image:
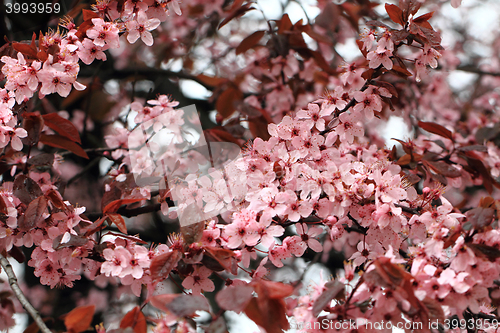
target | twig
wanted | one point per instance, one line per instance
(475, 70)
(84, 171)
(93, 150)
(130, 212)
(20, 296)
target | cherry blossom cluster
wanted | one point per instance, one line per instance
(57, 72)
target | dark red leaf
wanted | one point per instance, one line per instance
(56, 199)
(285, 24)
(135, 319)
(226, 102)
(74, 240)
(237, 13)
(3, 206)
(387, 86)
(26, 189)
(274, 290)
(422, 20)
(315, 35)
(94, 227)
(268, 313)
(485, 251)
(88, 14)
(234, 298)
(402, 71)
(62, 126)
(435, 310)
(395, 13)
(34, 213)
(42, 160)
(211, 80)
(481, 148)
(59, 141)
(226, 258)
(333, 289)
(162, 264)
(82, 29)
(79, 319)
(180, 305)
(33, 124)
(113, 206)
(160, 301)
(192, 233)
(25, 49)
(17, 254)
(480, 217)
(443, 168)
(250, 41)
(476, 166)
(258, 127)
(436, 129)
(118, 220)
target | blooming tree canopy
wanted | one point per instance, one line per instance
(167, 164)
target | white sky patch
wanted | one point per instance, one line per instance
(240, 323)
(349, 50)
(482, 28)
(395, 128)
(460, 80)
(193, 89)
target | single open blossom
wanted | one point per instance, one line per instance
(8, 134)
(103, 33)
(117, 261)
(141, 27)
(349, 128)
(198, 280)
(48, 271)
(364, 254)
(299, 244)
(243, 229)
(312, 114)
(429, 56)
(88, 51)
(368, 103)
(382, 54)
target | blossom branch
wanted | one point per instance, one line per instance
(14, 285)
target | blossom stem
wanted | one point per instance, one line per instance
(178, 286)
(14, 285)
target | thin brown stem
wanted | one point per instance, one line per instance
(475, 70)
(14, 285)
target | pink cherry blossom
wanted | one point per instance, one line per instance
(103, 33)
(117, 261)
(141, 28)
(198, 280)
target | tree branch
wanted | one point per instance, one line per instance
(475, 70)
(14, 285)
(131, 212)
